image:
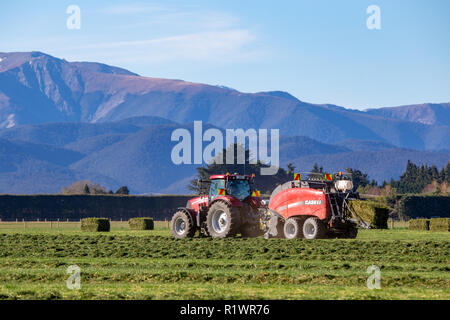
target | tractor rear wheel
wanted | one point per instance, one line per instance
(293, 228)
(313, 228)
(223, 220)
(182, 225)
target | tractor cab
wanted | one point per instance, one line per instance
(237, 186)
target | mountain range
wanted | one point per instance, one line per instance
(64, 121)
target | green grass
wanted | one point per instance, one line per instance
(124, 264)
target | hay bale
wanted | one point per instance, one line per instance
(371, 212)
(141, 224)
(440, 224)
(95, 224)
(419, 224)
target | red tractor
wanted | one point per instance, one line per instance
(230, 207)
(312, 206)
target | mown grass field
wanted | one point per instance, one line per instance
(124, 264)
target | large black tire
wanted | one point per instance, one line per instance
(182, 225)
(251, 231)
(223, 220)
(293, 228)
(313, 228)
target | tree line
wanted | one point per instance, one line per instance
(422, 178)
(416, 178)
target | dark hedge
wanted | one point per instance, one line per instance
(76, 207)
(415, 206)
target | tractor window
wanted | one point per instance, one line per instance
(215, 186)
(239, 188)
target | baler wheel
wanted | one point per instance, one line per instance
(182, 225)
(313, 228)
(293, 228)
(223, 220)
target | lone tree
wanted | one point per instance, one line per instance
(86, 189)
(316, 168)
(123, 190)
(290, 168)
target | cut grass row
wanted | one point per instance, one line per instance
(130, 246)
(200, 291)
(181, 279)
(262, 272)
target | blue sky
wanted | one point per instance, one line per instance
(319, 51)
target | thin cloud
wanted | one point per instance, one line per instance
(182, 20)
(132, 8)
(211, 46)
(176, 36)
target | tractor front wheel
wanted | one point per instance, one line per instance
(313, 228)
(182, 225)
(222, 220)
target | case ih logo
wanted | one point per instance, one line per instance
(313, 202)
(300, 203)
